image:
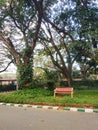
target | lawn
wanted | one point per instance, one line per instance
(82, 98)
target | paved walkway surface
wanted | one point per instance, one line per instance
(23, 118)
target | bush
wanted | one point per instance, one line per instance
(85, 84)
(37, 83)
(8, 87)
(81, 84)
(50, 84)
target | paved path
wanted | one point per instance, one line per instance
(19, 118)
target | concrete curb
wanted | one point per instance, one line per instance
(52, 107)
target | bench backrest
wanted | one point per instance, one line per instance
(64, 89)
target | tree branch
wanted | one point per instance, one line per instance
(6, 66)
(39, 9)
(56, 48)
(57, 28)
(7, 42)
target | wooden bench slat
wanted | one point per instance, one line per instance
(63, 89)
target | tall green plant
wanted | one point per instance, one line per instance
(24, 75)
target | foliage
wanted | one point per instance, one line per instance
(24, 75)
(45, 78)
(39, 83)
(85, 84)
(96, 55)
(85, 18)
(25, 72)
(2, 2)
(9, 87)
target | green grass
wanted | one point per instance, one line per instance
(82, 98)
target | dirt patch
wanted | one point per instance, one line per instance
(67, 105)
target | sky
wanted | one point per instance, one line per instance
(10, 69)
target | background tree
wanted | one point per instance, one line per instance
(58, 38)
(85, 17)
(57, 47)
(71, 25)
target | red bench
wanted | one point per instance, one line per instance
(63, 91)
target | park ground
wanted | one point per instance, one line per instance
(39, 96)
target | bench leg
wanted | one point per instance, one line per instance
(72, 94)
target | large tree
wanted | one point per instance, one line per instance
(20, 23)
(85, 17)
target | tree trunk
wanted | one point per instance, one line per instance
(69, 80)
(68, 74)
(84, 71)
(24, 75)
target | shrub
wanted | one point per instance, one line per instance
(85, 84)
(8, 87)
(50, 84)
